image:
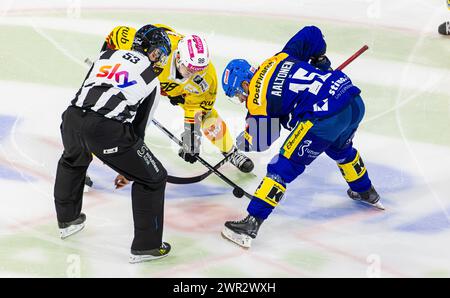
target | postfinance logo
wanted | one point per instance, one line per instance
(110, 72)
(448, 4)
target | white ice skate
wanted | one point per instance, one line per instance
(240, 239)
(67, 229)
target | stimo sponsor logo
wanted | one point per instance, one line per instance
(335, 85)
(110, 72)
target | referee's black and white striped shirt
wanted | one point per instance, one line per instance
(117, 84)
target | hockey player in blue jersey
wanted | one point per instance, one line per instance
(296, 89)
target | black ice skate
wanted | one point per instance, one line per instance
(242, 232)
(241, 161)
(69, 228)
(139, 256)
(370, 197)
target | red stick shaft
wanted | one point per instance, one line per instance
(353, 57)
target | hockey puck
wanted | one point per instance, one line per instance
(444, 28)
(238, 192)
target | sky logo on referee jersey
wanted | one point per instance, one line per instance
(110, 72)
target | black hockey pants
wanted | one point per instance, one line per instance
(85, 132)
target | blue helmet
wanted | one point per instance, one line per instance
(237, 71)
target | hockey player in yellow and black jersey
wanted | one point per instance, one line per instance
(189, 80)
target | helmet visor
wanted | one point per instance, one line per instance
(159, 56)
(238, 96)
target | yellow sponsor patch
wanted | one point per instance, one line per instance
(257, 99)
(270, 191)
(121, 38)
(353, 170)
(248, 137)
(295, 138)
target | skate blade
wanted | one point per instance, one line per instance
(64, 233)
(377, 205)
(244, 241)
(135, 259)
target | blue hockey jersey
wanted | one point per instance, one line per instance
(291, 90)
(306, 43)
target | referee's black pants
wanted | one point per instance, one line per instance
(85, 132)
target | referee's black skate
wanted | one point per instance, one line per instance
(139, 256)
(243, 231)
(241, 161)
(67, 229)
(370, 197)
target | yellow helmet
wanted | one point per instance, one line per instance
(167, 28)
(121, 37)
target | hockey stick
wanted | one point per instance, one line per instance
(184, 180)
(353, 57)
(237, 190)
(195, 179)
